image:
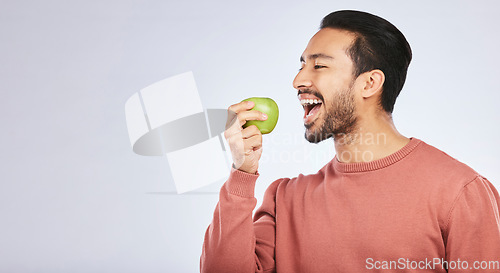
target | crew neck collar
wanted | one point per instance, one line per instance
(376, 164)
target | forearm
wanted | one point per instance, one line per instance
(229, 244)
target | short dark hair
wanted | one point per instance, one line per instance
(378, 45)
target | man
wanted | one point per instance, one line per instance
(384, 203)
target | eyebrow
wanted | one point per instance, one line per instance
(316, 56)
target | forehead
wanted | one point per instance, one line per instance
(331, 42)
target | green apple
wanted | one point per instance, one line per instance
(267, 106)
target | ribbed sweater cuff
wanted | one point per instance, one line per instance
(241, 183)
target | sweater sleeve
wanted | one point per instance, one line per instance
(234, 242)
(473, 231)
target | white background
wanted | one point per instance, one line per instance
(73, 195)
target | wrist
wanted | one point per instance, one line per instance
(249, 171)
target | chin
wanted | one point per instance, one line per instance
(311, 138)
(313, 134)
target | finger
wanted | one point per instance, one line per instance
(234, 126)
(250, 115)
(250, 131)
(252, 144)
(241, 106)
(233, 110)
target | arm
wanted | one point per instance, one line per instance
(233, 242)
(473, 230)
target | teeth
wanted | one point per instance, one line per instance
(309, 101)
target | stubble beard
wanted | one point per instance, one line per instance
(340, 120)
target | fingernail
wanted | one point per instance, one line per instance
(264, 116)
(250, 103)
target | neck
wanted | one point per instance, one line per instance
(372, 139)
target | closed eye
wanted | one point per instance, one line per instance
(315, 67)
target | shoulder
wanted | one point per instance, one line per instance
(441, 168)
(475, 210)
(444, 178)
(289, 187)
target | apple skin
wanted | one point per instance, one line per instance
(267, 106)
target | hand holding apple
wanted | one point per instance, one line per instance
(246, 144)
(267, 106)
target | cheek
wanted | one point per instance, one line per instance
(327, 106)
(328, 83)
(331, 84)
(358, 100)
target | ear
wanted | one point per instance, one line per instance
(373, 82)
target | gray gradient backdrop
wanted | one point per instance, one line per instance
(73, 195)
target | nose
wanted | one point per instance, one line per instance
(302, 80)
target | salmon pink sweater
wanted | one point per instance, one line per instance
(417, 210)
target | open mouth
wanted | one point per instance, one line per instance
(311, 108)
